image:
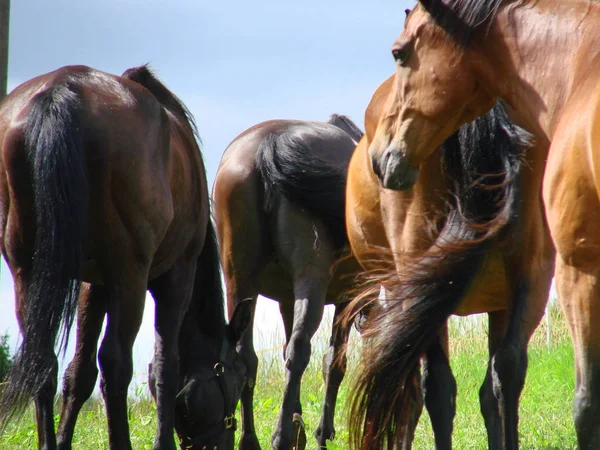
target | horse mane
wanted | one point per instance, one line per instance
(144, 76)
(462, 18)
(288, 168)
(346, 124)
(482, 164)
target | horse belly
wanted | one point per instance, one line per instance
(489, 291)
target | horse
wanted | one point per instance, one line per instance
(279, 197)
(104, 196)
(540, 58)
(461, 242)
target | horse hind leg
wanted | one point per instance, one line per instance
(172, 293)
(81, 374)
(579, 295)
(508, 365)
(309, 290)
(45, 395)
(334, 369)
(439, 390)
(487, 399)
(125, 309)
(44, 407)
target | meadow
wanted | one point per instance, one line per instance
(545, 411)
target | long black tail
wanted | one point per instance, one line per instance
(483, 163)
(288, 167)
(54, 143)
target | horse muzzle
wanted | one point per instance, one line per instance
(393, 170)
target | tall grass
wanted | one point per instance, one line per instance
(545, 412)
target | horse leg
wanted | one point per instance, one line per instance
(334, 369)
(578, 293)
(310, 286)
(44, 397)
(125, 308)
(509, 362)
(172, 293)
(287, 315)
(248, 438)
(487, 400)
(439, 390)
(81, 374)
(44, 407)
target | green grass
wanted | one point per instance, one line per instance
(545, 412)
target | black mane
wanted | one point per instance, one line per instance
(144, 76)
(346, 124)
(462, 18)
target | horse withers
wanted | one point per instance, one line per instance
(102, 184)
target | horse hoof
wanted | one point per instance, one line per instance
(299, 432)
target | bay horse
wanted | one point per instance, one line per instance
(102, 183)
(541, 58)
(462, 242)
(279, 197)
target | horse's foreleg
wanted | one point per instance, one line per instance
(81, 374)
(334, 369)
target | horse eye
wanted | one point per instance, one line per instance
(400, 55)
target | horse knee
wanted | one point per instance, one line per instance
(298, 353)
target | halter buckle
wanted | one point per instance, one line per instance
(230, 422)
(219, 369)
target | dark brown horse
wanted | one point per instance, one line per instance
(467, 237)
(102, 182)
(279, 206)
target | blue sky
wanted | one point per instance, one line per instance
(234, 63)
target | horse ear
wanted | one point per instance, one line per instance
(240, 319)
(407, 12)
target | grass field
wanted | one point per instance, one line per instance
(545, 413)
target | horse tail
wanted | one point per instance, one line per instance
(483, 207)
(289, 168)
(54, 146)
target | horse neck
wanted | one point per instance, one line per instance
(202, 334)
(537, 53)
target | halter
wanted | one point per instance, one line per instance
(227, 423)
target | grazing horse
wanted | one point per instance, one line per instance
(279, 208)
(467, 237)
(541, 58)
(102, 182)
